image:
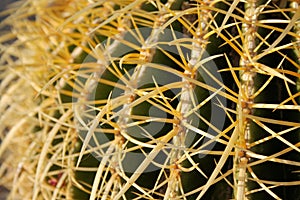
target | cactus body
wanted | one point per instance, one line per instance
(141, 99)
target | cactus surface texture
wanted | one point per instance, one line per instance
(150, 99)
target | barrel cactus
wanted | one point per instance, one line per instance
(150, 99)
